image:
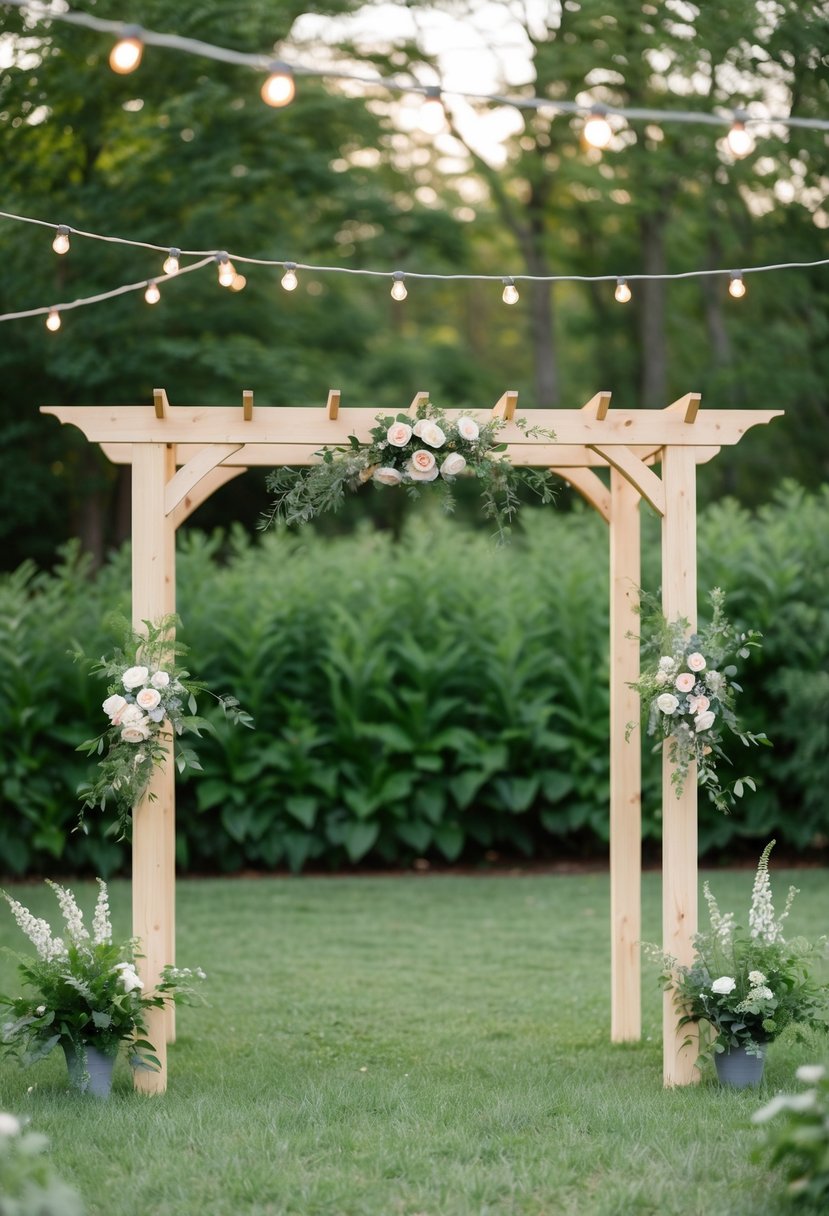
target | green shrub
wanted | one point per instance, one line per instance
(433, 696)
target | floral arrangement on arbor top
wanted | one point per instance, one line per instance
(85, 991)
(690, 695)
(147, 706)
(412, 451)
(746, 986)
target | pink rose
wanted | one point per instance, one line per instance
(698, 705)
(148, 698)
(468, 428)
(684, 681)
(429, 432)
(696, 661)
(386, 475)
(399, 434)
(423, 466)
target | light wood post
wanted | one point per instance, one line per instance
(625, 765)
(679, 815)
(153, 835)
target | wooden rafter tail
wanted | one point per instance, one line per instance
(247, 404)
(418, 400)
(332, 405)
(504, 407)
(160, 402)
(598, 405)
(687, 406)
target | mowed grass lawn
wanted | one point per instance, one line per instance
(416, 1045)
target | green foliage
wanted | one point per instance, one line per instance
(29, 1185)
(438, 696)
(798, 1137)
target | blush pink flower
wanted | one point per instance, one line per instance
(684, 681)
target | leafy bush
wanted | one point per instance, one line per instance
(436, 695)
(797, 1137)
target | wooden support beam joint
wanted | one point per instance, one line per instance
(160, 402)
(247, 404)
(504, 407)
(598, 406)
(418, 400)
(332, 405)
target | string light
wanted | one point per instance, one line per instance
(260, 62)
(53, 320)
(289, 281)
(740, 141)
(736, 286)
(622, 292)
(431, 116)
(61, 242)
(597, 130)
(171, 262)
(280, 88)
(152, 295)
(398, 288)
(125, 56)
(227, 272)
(239, 283)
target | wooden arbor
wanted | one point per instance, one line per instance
(180, 456)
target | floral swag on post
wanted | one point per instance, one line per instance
(689, 695)
(151, 701)
(412, 451)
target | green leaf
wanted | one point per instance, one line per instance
(359, 838)
(449, 839)
(302, 807)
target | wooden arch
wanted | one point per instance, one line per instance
(180, 456)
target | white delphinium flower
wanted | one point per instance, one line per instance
(721, 925)
(811, 1073)
(101, 925)
(75, 928)
(9, 1126)
(761, 920)
(38, 931)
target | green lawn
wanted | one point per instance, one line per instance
(420, 1045)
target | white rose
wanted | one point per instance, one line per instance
(667, 703)
(148, 698)
(132, 716)
(399, 434)
(704, 721)
(134, 677)
(423, 466)
(160, 679)
(113, 707)
(696, 661)
(135, 734)
(9, 1126)
(468, 428)
(724, 985)
(697, 705)
(684, 681)
(128, 977)
(810, 1073)
(452, 465)
(388, 476)
(429, 432)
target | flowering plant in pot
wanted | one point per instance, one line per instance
(84, 992)
(746, 985)
(413, 451)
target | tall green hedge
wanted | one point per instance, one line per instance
(436, 696)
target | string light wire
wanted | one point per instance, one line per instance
(208, 257)
(263, 63)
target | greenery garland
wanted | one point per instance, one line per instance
(413, 451)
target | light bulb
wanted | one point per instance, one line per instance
(53, 320)
(171, 265)
(736, 287)
(739, 140)
(622, 292)
(431, 117)
(279, 89)
(289, 279)
(152, 295)
(226, 269)
(510, 293)
(597, 130)
(398, 288)
(125, 56)
(239, 283)
(61, 242)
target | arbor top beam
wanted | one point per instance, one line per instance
(681, 424)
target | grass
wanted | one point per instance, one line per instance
(412, 1046)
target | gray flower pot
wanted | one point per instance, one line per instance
(735, 1067)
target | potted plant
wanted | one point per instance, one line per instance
(745, 985)
(84, 995)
